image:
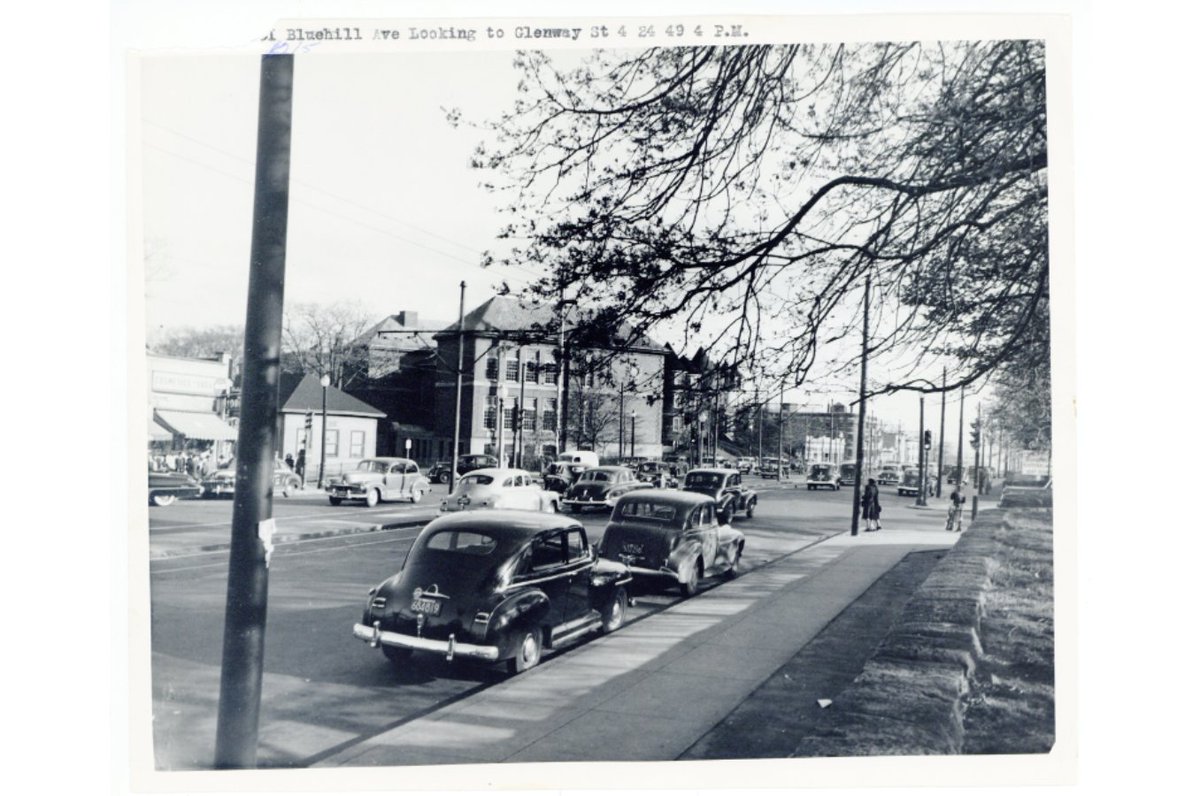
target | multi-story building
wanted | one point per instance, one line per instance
(516, 405)
(189, 400)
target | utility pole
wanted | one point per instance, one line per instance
(519, 431)
(560, 430)
(501, 394)
(250, 537)
(779, 461)
(862, 409)
(942, 436)
(462, 305)
(760, 428)
(978, 446)
(962, 401)
(922, 457)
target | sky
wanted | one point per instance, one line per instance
(384, 207)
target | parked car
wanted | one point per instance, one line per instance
(379, 478)
(469, 462)
(848, 474)
(888, 476)
(910, 484)
(726, 488)
(500, 488)
(656, 474)
(745, 465)
(495, 586)
(769, 468)
(821, 475)
(558, 476)
(166, 488)
(599, 487)
(672, 536)
(221, 482)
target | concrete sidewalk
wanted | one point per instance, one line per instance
(651, 690)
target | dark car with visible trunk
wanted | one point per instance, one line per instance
(599, 487)
(726, 488)
(166, 488)
(495, 585)
(673, 537)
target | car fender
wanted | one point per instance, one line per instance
(682, 556)
(513, 614)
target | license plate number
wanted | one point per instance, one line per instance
(425, 605)
(632, 548)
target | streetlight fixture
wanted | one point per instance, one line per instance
(324, 418)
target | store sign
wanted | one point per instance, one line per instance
(187, 384)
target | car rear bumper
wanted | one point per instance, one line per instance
(587, 504)
(450, 648)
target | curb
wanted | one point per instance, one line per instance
(292, 537)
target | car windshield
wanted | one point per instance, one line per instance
(372, 466)
(465, 542)
(703, 480)
(647, 510)
(594, 475)
(820, 472)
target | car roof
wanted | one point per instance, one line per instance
(388, 459)
(719, 470)
(608, 468)
(498, 472)
(667, 497)
(507, 525)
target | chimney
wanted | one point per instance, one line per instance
(406, 318)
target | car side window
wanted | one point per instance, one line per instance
(547, 551)
(705, 516)
(735, 480)
(508, 482)
(395, 468)
(576, 548)
(411, 467)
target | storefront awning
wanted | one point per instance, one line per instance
(196, 425)
(156, 432)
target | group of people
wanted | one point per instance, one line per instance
(871, 508)
(296, 464)
(197, 464)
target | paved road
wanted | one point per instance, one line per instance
(322, 691)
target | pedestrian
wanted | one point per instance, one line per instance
(870, 505)
(290, 461)
(954, 512)
(300, 466)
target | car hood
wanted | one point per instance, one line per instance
(356, 477)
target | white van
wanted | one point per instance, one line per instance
(586, 458)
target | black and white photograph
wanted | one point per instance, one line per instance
(631, 390)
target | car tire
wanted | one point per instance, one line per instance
(417, 494)
(372, 497)
(162, 500)
(613, 615)
(529, 652)
(397, 656)
(692, 584)
(335, 501)
(750, 509)
(444, 478)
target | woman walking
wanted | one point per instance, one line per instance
(870, 505)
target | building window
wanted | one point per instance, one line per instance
(549, 373)
(512, 370)
(529, 418)
(510, 417)
(531, 372)
(358, 441)
(489, 418)
(493, 369)
(331, 442)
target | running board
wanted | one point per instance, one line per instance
(567, 633)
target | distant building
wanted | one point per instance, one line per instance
(350, 434)
(189, 402)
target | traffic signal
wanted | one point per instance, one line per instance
(975, 433)
(308, 418)
(928, 440)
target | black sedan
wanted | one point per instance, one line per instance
(726, 488)
(495, 585)
(600, 487)
(166, 488)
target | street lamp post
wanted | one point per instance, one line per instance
(632, 433)
(324, 433)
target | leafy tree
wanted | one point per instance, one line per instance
(202, 342)
(742, 195)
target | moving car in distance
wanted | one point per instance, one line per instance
(558, 476)
(379, 478)
(745, 465)
(822, 475)
(600, 487)
(673, 537)
(440, 472)
(656, 474)
(500, 488)
(166, 488)
(848, 474)
(495, 586)
(910, 484)
(770, 467)
(221, 482)
(888, 475)
(725, 487)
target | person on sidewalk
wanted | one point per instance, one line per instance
(954, 512)
(300, 466)
(870, 505)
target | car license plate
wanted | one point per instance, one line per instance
(426, 605)
(632, 548)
